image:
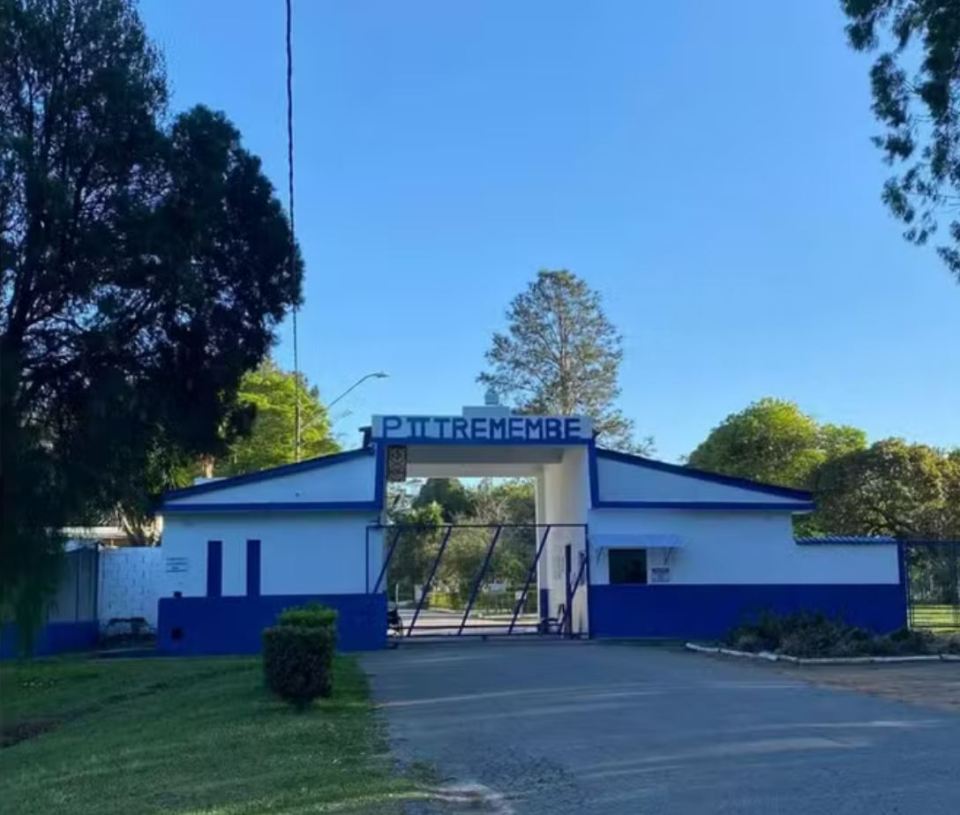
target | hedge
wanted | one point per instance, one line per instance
(310, 615)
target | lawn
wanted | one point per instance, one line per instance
(187, 736)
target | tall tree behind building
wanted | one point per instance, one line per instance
(916, 95)
(272, 394)
(561, 355)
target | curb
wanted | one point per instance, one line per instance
(769, 656)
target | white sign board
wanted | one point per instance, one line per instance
(659, 574)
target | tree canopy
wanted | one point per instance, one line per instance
(561, 355)
(272, 394)
(915, 81)
(774, 442)
(145, 263)
(449, 494)
(891, 488)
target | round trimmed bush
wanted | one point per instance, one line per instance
(298, 662)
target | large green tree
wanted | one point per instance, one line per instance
(455, 500)
(561, 355)
(774, 442)
(916, 96)
(891, 488)
(145, 262)
(272, 394)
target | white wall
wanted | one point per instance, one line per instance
(129, 586)
(622, 481)
(716, 547)
(351, 480)
(564, 498)
(300, 553)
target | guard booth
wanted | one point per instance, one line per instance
(621, 546)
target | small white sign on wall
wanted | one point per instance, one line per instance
(177, 565)
(659, 574)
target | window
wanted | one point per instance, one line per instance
(628, 566)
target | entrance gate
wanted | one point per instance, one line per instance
(932, 577)
(483, 579)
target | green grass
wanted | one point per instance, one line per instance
(189, 736)
(940, 618)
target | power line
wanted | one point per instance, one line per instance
(293, 241)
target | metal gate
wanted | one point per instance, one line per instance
(932, 577)
(482, 579)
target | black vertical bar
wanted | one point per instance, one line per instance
(476, 584)
(386, 562)
(530, 573)
(567, 565)
(426, 586)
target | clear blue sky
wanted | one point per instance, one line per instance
(705, 166)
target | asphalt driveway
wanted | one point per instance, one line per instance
(557, 727)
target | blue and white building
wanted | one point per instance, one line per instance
(668, 551)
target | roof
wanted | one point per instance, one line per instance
(704, 475)
(265, 475)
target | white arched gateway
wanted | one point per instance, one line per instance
(624, 546)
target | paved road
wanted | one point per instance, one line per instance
(591, 728)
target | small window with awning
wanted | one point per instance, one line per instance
(628, 566)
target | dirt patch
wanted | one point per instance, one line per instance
(931, 684)
(11, 734)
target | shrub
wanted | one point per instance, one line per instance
(298, 662)
(298, 654)
(806, 634)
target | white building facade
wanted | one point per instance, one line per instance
(660, 550)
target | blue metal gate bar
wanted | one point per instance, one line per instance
(476, 584)
(386, 562)
(529, 580)
(568, 611)
(426, 586)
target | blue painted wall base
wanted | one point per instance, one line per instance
(233, 625)
(53, 638)
(709, 612)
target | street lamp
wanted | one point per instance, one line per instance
(358, 383)
(300, 428)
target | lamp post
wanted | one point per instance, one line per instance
(357, 384)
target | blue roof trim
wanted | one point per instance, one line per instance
(266, 475)
(846, 540)
(703, 475)
(752, 506)
(274, 506)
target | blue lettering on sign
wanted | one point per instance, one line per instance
(554, 430)
(459, 428)
(516, 427)
(498, 428)
(391, 423)
(533, 428)
(478, 428)
(441, 422)
(418, 427)
(571, 427)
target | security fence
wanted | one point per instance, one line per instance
(933, 584)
